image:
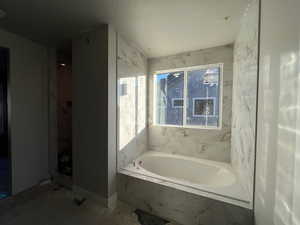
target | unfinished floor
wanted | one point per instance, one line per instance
(50, 205)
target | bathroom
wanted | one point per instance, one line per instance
(138, 112)
(187, 123)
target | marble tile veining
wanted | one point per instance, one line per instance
(234, 195)
(244, 97)
(180, 206)
(132, 70)
(199, 143)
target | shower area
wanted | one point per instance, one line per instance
(187, 127)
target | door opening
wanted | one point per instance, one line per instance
(5, 159)
(64, 105)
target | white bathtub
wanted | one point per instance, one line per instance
(204, 177)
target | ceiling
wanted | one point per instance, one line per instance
(159, 27)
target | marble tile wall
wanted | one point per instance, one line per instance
(244, 97)
(182, 207)
(208, 144)
(131, 72)
(277, 178)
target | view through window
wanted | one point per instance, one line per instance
(189, 97)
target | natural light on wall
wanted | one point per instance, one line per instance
(132, 108)
(141, 107)
(127, 105)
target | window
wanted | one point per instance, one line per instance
(189, 97)
(169, 86)
(203, 107)
(177, 102)
(123, 90)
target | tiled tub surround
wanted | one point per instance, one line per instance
(186, 202)
(199, 143)
(178, 205)
(244, 97)
(131, 71)
(207, 178)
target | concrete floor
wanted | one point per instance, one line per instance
(47, 205)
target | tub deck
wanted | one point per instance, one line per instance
(230, 193)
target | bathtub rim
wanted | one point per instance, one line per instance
(204, 161)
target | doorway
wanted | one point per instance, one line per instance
(5, 159)
(64, 104)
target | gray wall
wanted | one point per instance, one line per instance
(244, 97)
(208, 144)
(29, 110)
(91, 119)
(112, 111)
(277, 193)
(132, 70)
(52, 98)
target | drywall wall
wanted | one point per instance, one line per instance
(28, 84)
(112, 116)
(277, 193)
(94, 116)
(52, 101)
(245, 77)
(200, 143)
(132, 70)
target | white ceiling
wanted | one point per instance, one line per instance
(159, 27)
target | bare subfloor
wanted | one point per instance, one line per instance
(47, 205)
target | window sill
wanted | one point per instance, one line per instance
(188, 127)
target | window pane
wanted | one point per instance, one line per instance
(177, 102)
(203, 107)
(169, 98)
(203, 97)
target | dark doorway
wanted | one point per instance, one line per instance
(5, 177)
(64, 90)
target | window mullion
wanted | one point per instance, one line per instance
(184, 98)
(136, 87)
(154, 101)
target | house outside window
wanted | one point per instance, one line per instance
(189, 97)
(203, 107)
(177, 102)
